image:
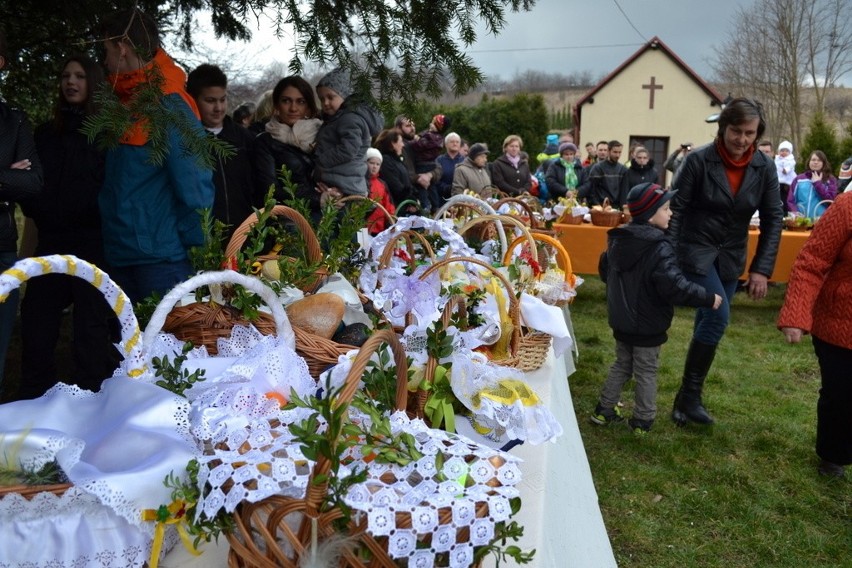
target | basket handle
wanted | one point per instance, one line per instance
(514, 305)
(562, 254)
(476, 204)
(499, 220)
(388, 215)
(267, 294)
(480, 204)
(316, 491)
(826, 202)
(24, 269)
(524, 205)
(312, 245)
(387, 253)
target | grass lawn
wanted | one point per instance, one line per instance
(741, 493)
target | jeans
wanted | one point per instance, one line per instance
(8, 313)
(710, 324)
(640, 363)
(142, 280)
(834, 420)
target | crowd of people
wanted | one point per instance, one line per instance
(138, 217)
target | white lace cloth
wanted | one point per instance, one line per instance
(116, 446)
(242, 431)
(249, 367)
(371, 279)
(503, 404)
(250, 463)
(473, 481)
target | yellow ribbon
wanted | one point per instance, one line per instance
(172, 514)
(507, 392)
(500, 350)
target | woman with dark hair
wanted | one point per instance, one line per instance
(720, 186)
(289, 140)
(811, 187)
(394, 173)
(68, 220)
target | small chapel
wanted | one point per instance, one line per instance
(653, 98)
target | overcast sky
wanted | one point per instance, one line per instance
(594, 35)
(567, 36)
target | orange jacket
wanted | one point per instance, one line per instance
(819, 294)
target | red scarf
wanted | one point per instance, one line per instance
(734, 169)
(126, 84)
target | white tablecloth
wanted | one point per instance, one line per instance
(560, 512)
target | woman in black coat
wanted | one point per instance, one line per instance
(68, 221)
(288, 141)
(720, 186)
(510, 172)
(394, 173)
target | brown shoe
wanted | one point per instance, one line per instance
(829, 469)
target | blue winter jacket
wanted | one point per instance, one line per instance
(150, 213)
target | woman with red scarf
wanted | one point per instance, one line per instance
(720, 186)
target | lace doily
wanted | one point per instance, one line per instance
(501, 400)
(238, 381)
(252, 463)
(409, 504)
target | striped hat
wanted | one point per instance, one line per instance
(644, 200)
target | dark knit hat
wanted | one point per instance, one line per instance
(339, 81)
(644, 200)
(442, 122)
(567, 146)
(477, 150)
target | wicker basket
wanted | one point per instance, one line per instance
(611, 218)
(463, 205)
(203, 323)
(500, 221)
(528, 216)
(130, 345)
(791, 225)
(513, 360)
(562, 257)
(312, 247)
(278, 531)
(568, 219)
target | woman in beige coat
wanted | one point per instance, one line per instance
(473, 173)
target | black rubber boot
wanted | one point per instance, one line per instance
(687, 404)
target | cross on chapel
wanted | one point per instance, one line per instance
(652, 86)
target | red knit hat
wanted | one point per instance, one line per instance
(441, 122)
(644, 200)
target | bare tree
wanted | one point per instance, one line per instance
(777, 50)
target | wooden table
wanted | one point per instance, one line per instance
(586, 242)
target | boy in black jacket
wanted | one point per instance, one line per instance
(644, 283)
(236, 193)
